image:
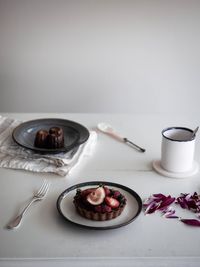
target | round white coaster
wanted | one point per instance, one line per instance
(158, 168)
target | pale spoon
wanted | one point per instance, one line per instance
(106, 128)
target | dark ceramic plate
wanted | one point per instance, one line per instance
(67, 209)
(74, 134)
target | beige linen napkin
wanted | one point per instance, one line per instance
(16, 157)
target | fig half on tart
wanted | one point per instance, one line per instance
(100, 203)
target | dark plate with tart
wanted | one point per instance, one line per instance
(117, 208)
(50, 135)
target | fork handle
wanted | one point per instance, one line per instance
(16, 222)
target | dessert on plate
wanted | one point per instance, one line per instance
(54, 138)
(100, 203)
(41, 138)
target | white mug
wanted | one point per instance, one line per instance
(177, 150)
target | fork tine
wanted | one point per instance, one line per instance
(44, 190)
(42, 187)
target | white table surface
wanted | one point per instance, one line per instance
(45, 239)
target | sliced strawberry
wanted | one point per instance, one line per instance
(112, 202)
(97, 196)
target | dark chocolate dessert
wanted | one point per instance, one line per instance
(41, 138)
(52, 139)
(55, 138)
(56, 130)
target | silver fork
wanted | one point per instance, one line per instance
(37, 196)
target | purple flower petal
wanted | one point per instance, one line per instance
(192, 222)
(182, 202)
(162, 203)
(168, 201)
(159, 195)
(189, 201)
(170, 213)
(148, 201)
(172, 217)
(152, 208)
(165, 210)
(158, 202)
(187, 197)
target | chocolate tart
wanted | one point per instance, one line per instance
(103, 211)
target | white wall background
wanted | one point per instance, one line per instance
(99, 56)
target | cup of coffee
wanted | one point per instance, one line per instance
(177, 149)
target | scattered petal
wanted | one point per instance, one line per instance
(170, 213)
(182, 202)
(152, 208)
(148, 201)
(172, 217)
(162, 203)
(189, 201)
(167, 201)
(192, 222)
(159, 196)
(157, 202)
